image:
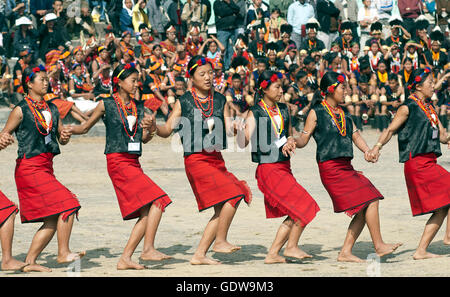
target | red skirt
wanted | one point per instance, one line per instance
(151, 102)
(428, 184)
(40, 194)
(349, 190)
(133, 188)
(283, 195)
(7, 208)
(211, 183)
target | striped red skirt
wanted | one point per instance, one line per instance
(349, 190)
(133, 188)
(40, 194)
(211, 182)
(428, 184)
(283, 195)
(151, 102)
(7, 208)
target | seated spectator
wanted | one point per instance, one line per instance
(38, 9)
(50, 38)
(25, 35)
(83, 23)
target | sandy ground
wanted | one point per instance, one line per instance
(102, 233)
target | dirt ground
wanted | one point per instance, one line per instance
(102, 233)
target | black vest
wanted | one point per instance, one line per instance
(31, 143)
(415, 136)
(264, 149)
(330, 143)
(116, 138)
(194, 132)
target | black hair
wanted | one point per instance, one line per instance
(179, 78)
(364, 79)
(26, 73)
(393, 76)
(327, 80)
(236, 76)
(301, 74)
(293, 67)
(123, 75)
(308, 60)
(262, 60)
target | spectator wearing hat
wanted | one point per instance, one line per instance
(50, 37)
(399, 34)
(349, 12)
(25, 35)
(311, 44)
(327, 15)
(299, 12)
(39, 8)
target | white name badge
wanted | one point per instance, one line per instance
(48, 139)
(134, 146)
(280, 142)
(435, 134)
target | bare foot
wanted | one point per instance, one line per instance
(13, 265)
(154, 255)
(424, 255)
(203, 260)
(68, 258)
(386, 249)
(296, 253)
(36, 267)
(274, 259)
(348, 257)
(225, 247)
(125, 264)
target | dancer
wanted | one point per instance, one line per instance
(42, 198)
(212, 184)
(419, 133)
(274, 142)
(127, 127)
(351, 192)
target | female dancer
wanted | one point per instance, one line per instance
(8, 211)
(351, 192)
(42, 198)
(212, 184)
(419, 133)
(282, 194)
(127, 127)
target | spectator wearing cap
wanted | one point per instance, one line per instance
(349, 12)
(126, 16)
(50, 37)
(327, 15)
(25, 35)
(299, 12)
(409, 11)
(311, 44)
(39, 8)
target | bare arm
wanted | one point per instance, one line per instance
(310, 125)
(173, 120)
(99, 111)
